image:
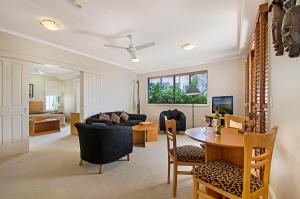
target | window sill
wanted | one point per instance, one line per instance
(183, 105)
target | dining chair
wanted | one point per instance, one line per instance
(234, 121)
(187, 155)
(233, 181)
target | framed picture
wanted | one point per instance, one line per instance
(30, 90)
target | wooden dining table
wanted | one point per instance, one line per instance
(227, 146)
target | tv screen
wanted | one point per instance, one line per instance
(223, 103)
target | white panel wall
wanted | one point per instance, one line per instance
(14, 106)
(17, 84)
(92, 90)
(16, 125)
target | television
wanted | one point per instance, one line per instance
(223, 103)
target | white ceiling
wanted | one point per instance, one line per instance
(219, 29)
(53, 71)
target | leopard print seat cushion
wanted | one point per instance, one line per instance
(189, 153)
(227, 176)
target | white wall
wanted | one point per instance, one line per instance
(39, 82)
(117, 82)
(69, 97)
(285, 112)
(224, 78)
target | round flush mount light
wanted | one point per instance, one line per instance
(135, 60)
(50, 24)
(187, 46)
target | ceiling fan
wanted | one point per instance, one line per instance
(132, 49)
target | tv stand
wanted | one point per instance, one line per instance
(210, 117)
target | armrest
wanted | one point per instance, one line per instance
(142, 117)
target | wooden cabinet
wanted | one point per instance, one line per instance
(74, 118)
(144, 133)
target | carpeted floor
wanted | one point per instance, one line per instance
(50, 170)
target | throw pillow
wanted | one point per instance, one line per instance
(115, 118)
(124, 116)
(104, 117)
(175, 114)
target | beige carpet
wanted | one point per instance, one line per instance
(50, 170)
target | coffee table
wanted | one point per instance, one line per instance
(41, 126)
(144, 133)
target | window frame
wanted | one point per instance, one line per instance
(174, 87)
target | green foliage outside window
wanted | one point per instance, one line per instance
(162, 90)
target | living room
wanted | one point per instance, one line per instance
(142, 74)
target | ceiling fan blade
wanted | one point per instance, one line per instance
(140, 47)
(113, 46)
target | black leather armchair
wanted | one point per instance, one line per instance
(175, 114)
(101, 144)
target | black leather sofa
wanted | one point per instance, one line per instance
(134, 119)
(102, 144)
(175, 114)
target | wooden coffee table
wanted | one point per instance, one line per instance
(144, 133)
(40, 126)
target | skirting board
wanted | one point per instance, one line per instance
(271, 193)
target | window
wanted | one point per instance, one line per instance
(52, 103)
(172, 89)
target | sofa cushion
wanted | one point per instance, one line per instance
(115, 118)
(226, 176)
(124, 116)
(104, 117)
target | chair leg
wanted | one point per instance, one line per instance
(81, 163)
(129, 157)
(174, 180)
(169, 165)
(101, 168)
(195, 188)
(265, 196)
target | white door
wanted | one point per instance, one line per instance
(91, 94)
(13, 107)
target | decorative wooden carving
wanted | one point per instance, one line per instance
(286, 27)
(291, 31)
(277, 17)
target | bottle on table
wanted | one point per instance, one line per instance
(217, 122)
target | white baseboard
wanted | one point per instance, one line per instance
(271, 193)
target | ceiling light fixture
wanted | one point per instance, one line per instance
(135, 60)
(40, 72)
(187, 46)
(50, 24)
